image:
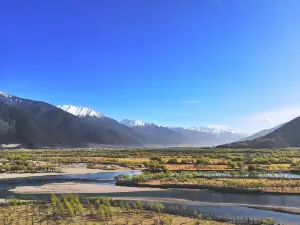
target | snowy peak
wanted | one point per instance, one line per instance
(217, 129)
(137, 123)
(3, 94)
(9, 99)
(6, 97)
(80, 111)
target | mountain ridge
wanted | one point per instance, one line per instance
(68, 125)
(261, 133)
(80, 111)
(286, 135)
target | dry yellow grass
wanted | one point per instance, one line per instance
(265, 185)
(192, 167)
(276, 167)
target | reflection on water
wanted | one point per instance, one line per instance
(243, 212)
(214, 196)
(105, 178)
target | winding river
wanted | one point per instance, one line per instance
(212, 201)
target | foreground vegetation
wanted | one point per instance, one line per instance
(73, 209)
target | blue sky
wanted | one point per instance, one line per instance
(185, 63)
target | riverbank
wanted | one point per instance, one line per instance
(71, 187)
(289, 210)
(67, 170)
(192, 181)
(201, 186)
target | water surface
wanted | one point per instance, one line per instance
(107, 178)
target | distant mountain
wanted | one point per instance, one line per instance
(98, 120)
(261, 133)
(73, 129)
(216, 130)
(138, 123)
(209, 136)
(287, 135)
(155, 134)
(35, 123)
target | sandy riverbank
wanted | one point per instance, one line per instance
(71, 187)
(65, 171)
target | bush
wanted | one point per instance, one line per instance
(123, 177)
(156, 158)
(172, 161)
(269, 221)
(202, 160)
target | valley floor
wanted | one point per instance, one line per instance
(64, 171)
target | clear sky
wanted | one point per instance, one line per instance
(186, 63)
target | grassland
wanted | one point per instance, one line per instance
(155, 159)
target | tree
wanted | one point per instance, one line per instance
(169, 220)
(159, 208)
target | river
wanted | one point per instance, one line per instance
(208, 196)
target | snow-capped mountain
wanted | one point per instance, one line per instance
(137, 123)
(217, 129)
(40, 123)
(80, 111)
(210, 135)
(204, 136)
(9, 99)
(3, 94)
(98, 120)
(68, 124)
(156, 134)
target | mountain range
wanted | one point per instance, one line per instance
(23, 116)
(282, 136)
(208, 136)
(33, 124)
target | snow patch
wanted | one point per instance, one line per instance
(5, 94)
(138, 123)
(80, 111)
